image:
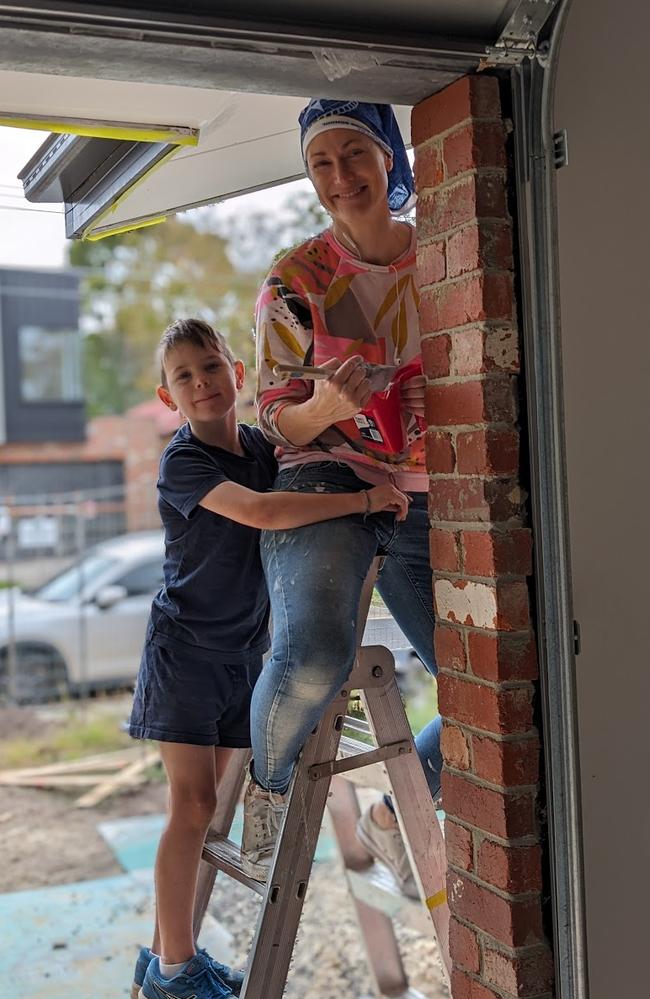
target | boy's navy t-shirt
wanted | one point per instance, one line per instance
(214, 596)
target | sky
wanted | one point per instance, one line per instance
(34, 235)
(30, 235)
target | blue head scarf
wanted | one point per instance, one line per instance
(374, 120)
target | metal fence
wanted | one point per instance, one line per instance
(70, 638)
(51, 536)
(44, 529)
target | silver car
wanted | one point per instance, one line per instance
(84, 629)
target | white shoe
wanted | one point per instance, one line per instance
(263, 812)
(387, 846)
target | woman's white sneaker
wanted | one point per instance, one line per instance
(387, 846)
(263, 812)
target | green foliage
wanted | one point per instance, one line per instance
(257, 239)
(135, 283)
(77, 734)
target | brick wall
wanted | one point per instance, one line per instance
(481, 548)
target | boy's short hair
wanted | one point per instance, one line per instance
(194, 331)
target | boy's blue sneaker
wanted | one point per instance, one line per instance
(199, 980)
(229, 976)
(233, 979)
(145, 958)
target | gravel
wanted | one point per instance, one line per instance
(329, 960)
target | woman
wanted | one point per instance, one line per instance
(347, 300)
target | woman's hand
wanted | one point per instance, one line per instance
(339, 397)
(388, 498)
(412, 395)
(344, 393)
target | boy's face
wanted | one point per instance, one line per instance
(201, 382)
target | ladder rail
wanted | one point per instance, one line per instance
(228, 794)
(377, 932)
(278, 922)
(415, 810)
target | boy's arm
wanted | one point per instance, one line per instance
(284, 510)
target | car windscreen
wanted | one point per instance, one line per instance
(78, 577)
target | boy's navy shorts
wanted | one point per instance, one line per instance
(194, 696)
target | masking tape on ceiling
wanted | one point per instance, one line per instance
(176, 134)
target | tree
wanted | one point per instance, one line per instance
(256, 239)
(134, 284)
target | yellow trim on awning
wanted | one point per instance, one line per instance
(91, 232)
(92, 237)
(179, 135)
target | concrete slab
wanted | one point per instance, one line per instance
(80, 941)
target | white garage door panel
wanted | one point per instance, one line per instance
(604, 221)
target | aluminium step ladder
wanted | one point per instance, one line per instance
(326, 759)
(378, 901)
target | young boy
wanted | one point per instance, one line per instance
(208, 628)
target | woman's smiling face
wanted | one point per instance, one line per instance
(349, 172)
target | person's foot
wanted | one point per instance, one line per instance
(145, 957)
(229, 976)
(198, 980)
(263, 811)
(386, 846)
(233, 979)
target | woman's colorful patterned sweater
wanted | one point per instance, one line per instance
(318, 302)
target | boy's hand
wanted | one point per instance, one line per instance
(388, 498)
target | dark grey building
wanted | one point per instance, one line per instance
(41, 396)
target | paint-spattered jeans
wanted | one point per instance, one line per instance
(315, 575)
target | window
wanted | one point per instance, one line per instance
(50, 364)
(78, 577)
(145, 579)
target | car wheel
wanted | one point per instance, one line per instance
(41, 675)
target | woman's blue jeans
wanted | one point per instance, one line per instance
(315, 575)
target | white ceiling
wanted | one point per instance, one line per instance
(85, 97)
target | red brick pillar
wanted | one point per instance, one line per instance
(480, 546)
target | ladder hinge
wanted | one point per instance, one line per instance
(560, 149)
(576, 638)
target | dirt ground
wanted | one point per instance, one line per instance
(45, 841)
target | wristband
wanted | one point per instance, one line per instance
(368, 509)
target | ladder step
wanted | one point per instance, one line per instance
(222, 853)
(374, 775)
(377, 887)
